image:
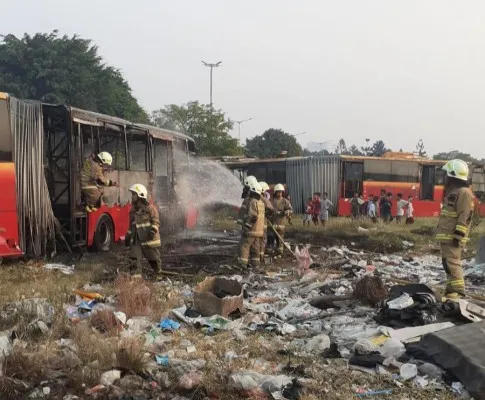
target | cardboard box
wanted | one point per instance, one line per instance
(208, 303)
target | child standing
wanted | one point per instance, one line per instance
(308, 212)
(372, 209)
(400, 208)
(410, 211)
(325, 205)
(316, 208)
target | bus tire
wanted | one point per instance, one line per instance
(104, 234)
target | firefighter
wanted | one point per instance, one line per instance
(143, 236)
(454, 224)
(268, 211)
(92, 178)
(282, 208)
(245, 196)
(253, 228)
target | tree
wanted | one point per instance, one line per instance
(271, 143)
(208, 127)
(420, 151)
(456, 154)
(378, 149)
(354, 151)
(341, 147)
(367, 148)
(65, 70)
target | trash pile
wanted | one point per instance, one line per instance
(335, 312)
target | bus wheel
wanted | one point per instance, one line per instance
(104, 235)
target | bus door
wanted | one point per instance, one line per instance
(428, 173)
(9, 234)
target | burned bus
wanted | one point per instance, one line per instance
(42, 151)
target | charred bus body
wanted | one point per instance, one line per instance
(42, 151)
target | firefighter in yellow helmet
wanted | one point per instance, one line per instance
(92, 179)
(143, 236)
(454, 224)
(253, 228)
(245, 196)
(268, 211)
(282, 208)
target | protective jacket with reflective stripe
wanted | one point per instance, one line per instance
(145, 225)
(456, 215)
(92, 175)
(254, 219)
(281, 208)
(243, 211)
(268, 210)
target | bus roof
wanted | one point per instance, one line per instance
(95, 118)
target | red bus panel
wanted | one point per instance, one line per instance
(9, 234)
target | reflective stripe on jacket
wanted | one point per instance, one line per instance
(254, 219)
(92, 175)
(456, 215)
(145, 225)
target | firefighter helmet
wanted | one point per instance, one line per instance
(105, 157)
(250, 180)
(264, 187)
(457, 169)
(140, 190)
(255, 187)
(279, 188)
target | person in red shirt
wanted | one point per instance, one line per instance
(308, 212)
(316, 209)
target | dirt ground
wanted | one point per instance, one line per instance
(38, 360)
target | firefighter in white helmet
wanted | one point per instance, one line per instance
(268, 211)
(282, 209)
(253, 228)
(454, 224)
(143, 236)
(92, 179)
(245, 196)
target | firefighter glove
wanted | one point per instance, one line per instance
(153, 231)
(456, 243)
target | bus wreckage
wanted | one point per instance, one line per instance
(42, 151)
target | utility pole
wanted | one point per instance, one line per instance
(211, 66)
(239, 126)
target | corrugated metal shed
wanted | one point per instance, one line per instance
(307, 175)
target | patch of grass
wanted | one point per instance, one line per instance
(130, 356)
(135, 296)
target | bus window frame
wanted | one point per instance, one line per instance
(5, 132)
(135, 131)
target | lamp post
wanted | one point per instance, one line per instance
(211, 66)
(239, 126)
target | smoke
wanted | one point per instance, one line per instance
(207, 184)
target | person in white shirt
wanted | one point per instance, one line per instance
(400, 208)
(371, 209)
(410, 211)
(325, 204)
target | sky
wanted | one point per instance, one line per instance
(396, 70)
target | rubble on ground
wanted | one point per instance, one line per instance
(298, 330)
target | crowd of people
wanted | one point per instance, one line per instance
(375, 208)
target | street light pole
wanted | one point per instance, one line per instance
(211, 66)
(239, 126)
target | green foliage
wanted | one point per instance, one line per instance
(272, 143)
(208, 127)
(457, 154)
(65, 70)
(379, 148)
(420, 151)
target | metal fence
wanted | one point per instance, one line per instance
(307, 175)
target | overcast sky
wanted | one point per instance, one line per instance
(383, 69)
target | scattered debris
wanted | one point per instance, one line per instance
(218, 296)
